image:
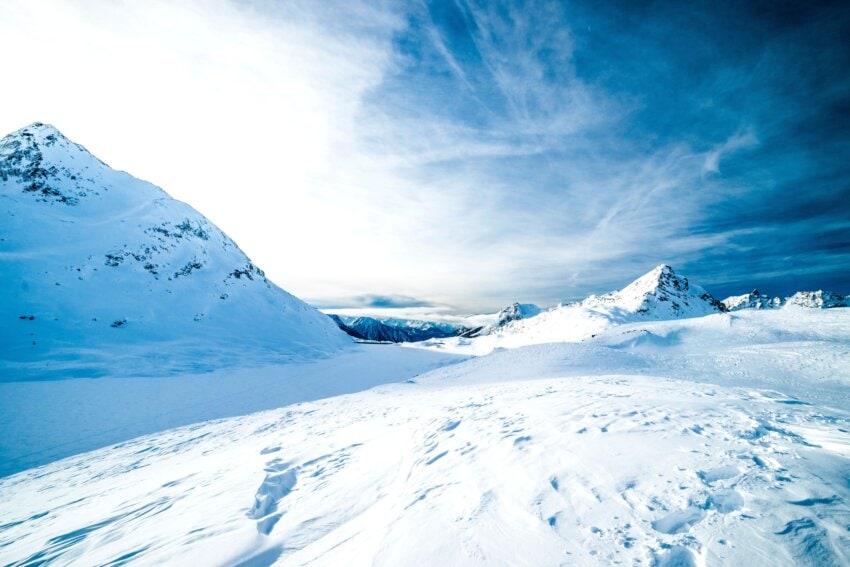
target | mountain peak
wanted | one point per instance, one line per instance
(659, 278)
(660, 293)
(38, 133)
(517, 311)
(41, 128)
(40, 161)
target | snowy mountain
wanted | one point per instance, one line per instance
(811, 299)
(753, 300)
(516, 312)
(369, 329)
(481, 325)
(107, 274)
(395, 330)
(818, 299)
(659, 294)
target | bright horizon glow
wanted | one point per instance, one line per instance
(459, 156)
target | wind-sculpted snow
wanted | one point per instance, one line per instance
(106, 274)
(722, 440)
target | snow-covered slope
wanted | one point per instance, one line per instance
(106, 274)
(720, 440)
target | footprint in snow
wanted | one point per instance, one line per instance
(680, 521)
(677, 556)
(723, 473)
(725, 501)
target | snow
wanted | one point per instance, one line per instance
(43, 421)
(107, 273)
(721, 439)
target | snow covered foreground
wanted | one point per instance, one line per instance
(716, 440)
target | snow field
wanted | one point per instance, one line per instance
(690, 442)
(593, 470)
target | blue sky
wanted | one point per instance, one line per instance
(712, 136)
(469, 154)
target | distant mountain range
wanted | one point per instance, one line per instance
(394, 330)
(659, 294)
(812, 299)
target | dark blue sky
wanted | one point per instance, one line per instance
(714, 136)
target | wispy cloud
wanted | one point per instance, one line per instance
(738, 141)
(371, 301)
